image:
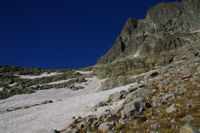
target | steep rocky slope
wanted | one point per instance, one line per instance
(165, 45)
(166, 100)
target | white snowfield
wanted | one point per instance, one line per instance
(57, 115)
(85, 72)
(11, 85)
(39, 76)
(195, 31)
(59, 82)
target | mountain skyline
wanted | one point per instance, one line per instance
(63, 34)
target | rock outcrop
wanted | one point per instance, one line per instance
(167, 26)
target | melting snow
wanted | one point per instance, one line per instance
(85, 72)
(11, 85)
(59, 82)
(38, 76)
(195, 31)
(56, 115)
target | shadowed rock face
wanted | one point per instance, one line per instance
(161, 30)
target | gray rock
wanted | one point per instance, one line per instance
(171, 108)
(101, 104)
(90, 120)
(188, 129)
(74, 130)
(155, 126)
(111, 131)
(123, 93)
(134, 87)
(115, 97)
(133, 108)
(181, 90)
(163, 83)
(198, 69)
(169, 96)
(118, 108)
(81, 79)
(187, 118)
(151, 74)
(135, 94)
(154, 132)
(124, 121)
(195, 78)
(104, 126)
(81, 125)
(157, 101)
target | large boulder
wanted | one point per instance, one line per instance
(115, 97)
(136, 94)
(134, 108)
(188, 129)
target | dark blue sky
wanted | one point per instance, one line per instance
(62, 33)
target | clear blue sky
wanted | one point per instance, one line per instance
(63, 33)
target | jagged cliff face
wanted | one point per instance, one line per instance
(165, 28)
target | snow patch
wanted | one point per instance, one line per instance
(39, 76)
(137, 54)
(56, 115)
(11, 85)
(59, 82)
(195, 31)
(1, 88)
(85, 72)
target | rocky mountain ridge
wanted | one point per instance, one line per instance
(167, 26)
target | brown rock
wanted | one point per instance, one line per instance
(119, 126)
(141, 119)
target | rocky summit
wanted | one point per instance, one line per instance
(154, 41)
(148, 82)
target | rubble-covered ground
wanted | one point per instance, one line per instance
(166, 100)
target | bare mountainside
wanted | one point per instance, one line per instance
(149, 81)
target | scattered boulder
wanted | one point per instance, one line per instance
(171, 108)
(155, 126)
(119, 126)
(74, 130)
(188, 129)
(101, 104)
(187, 118)
(135, 94)
(81, 79)
(141, 119)
(153, 74)
(124, 121)
(168, 96)
(104, 126)
(123, 93)
(134, 108)
(134, 87)
(115, 97)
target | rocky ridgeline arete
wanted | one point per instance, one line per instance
(158, 57)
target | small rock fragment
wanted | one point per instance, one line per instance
(171, 108)
(187, 118)
(155, 126)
